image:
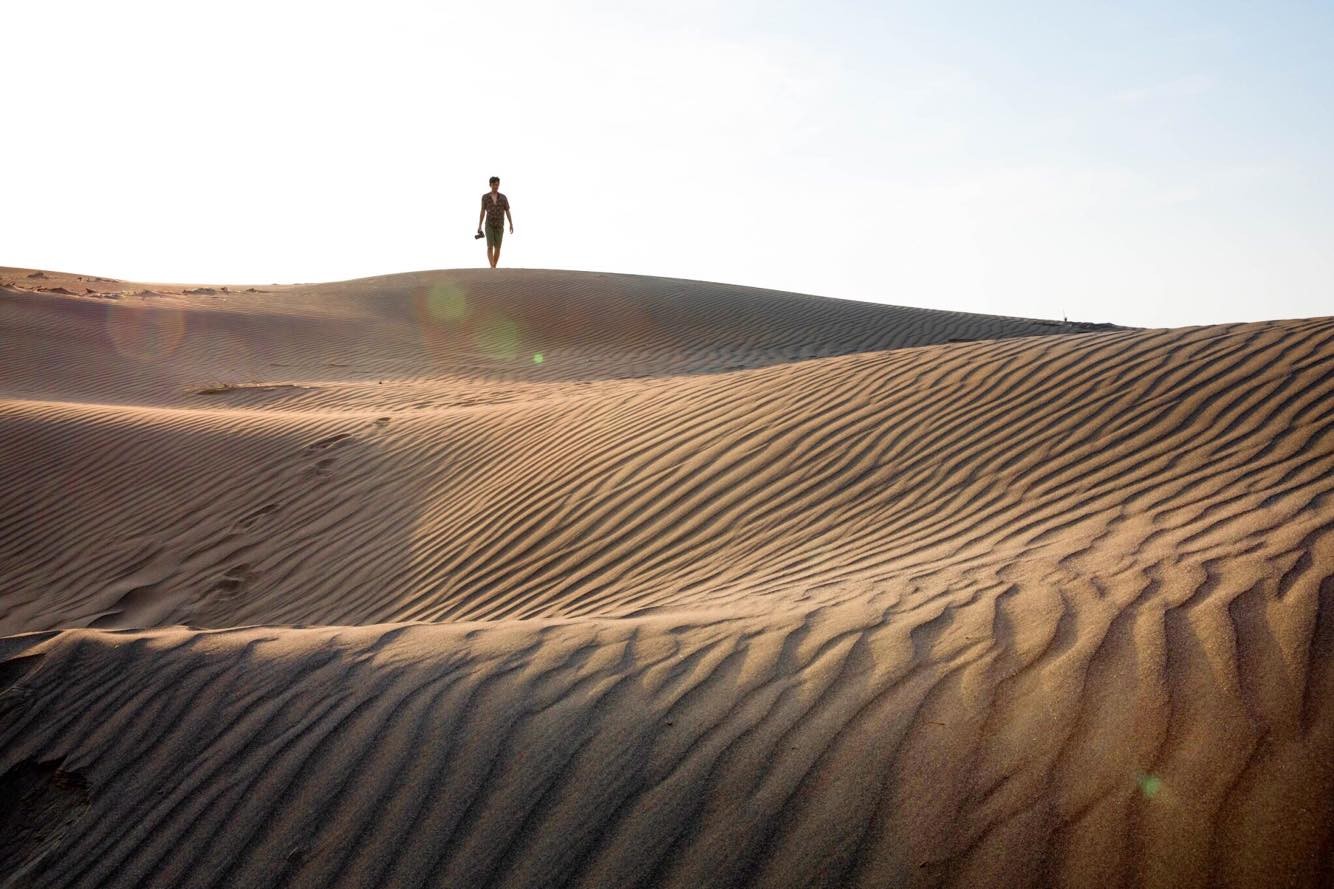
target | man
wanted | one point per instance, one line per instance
(495, 209)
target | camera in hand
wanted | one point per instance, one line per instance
(478, 235)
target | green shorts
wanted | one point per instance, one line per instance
(494, 234)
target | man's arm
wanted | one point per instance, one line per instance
(481, 215)
(509, 217)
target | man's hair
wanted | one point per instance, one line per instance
(493, 179)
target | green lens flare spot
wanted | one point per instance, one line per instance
(447, 303)
(1149, 785)
(537, 358)
(498, 338)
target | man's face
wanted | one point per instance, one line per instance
(495, 186)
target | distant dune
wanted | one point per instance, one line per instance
(556, 579)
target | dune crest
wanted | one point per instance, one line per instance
(566, 579)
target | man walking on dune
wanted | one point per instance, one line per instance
(495, 207)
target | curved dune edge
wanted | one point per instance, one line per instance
(743, 589)
(388, 341)
(1071, 460)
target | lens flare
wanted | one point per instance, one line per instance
(457, 328)
(447, 304)
(145, 333)
(498, 338)
(445, 318)
(1149, 785)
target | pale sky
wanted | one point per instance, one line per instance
(1144, 163)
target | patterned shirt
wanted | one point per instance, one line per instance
(495, 210)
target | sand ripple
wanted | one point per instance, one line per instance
(731, 588)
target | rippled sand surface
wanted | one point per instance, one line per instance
(532, 578)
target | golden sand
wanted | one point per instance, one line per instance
(531, 578)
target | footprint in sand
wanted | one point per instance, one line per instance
(322, 468)
(216, 607)
(249, 520)
(331, 441)
(46, 800)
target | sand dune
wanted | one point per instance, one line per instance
(565, 579)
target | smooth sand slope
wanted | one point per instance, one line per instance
(525, 578)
